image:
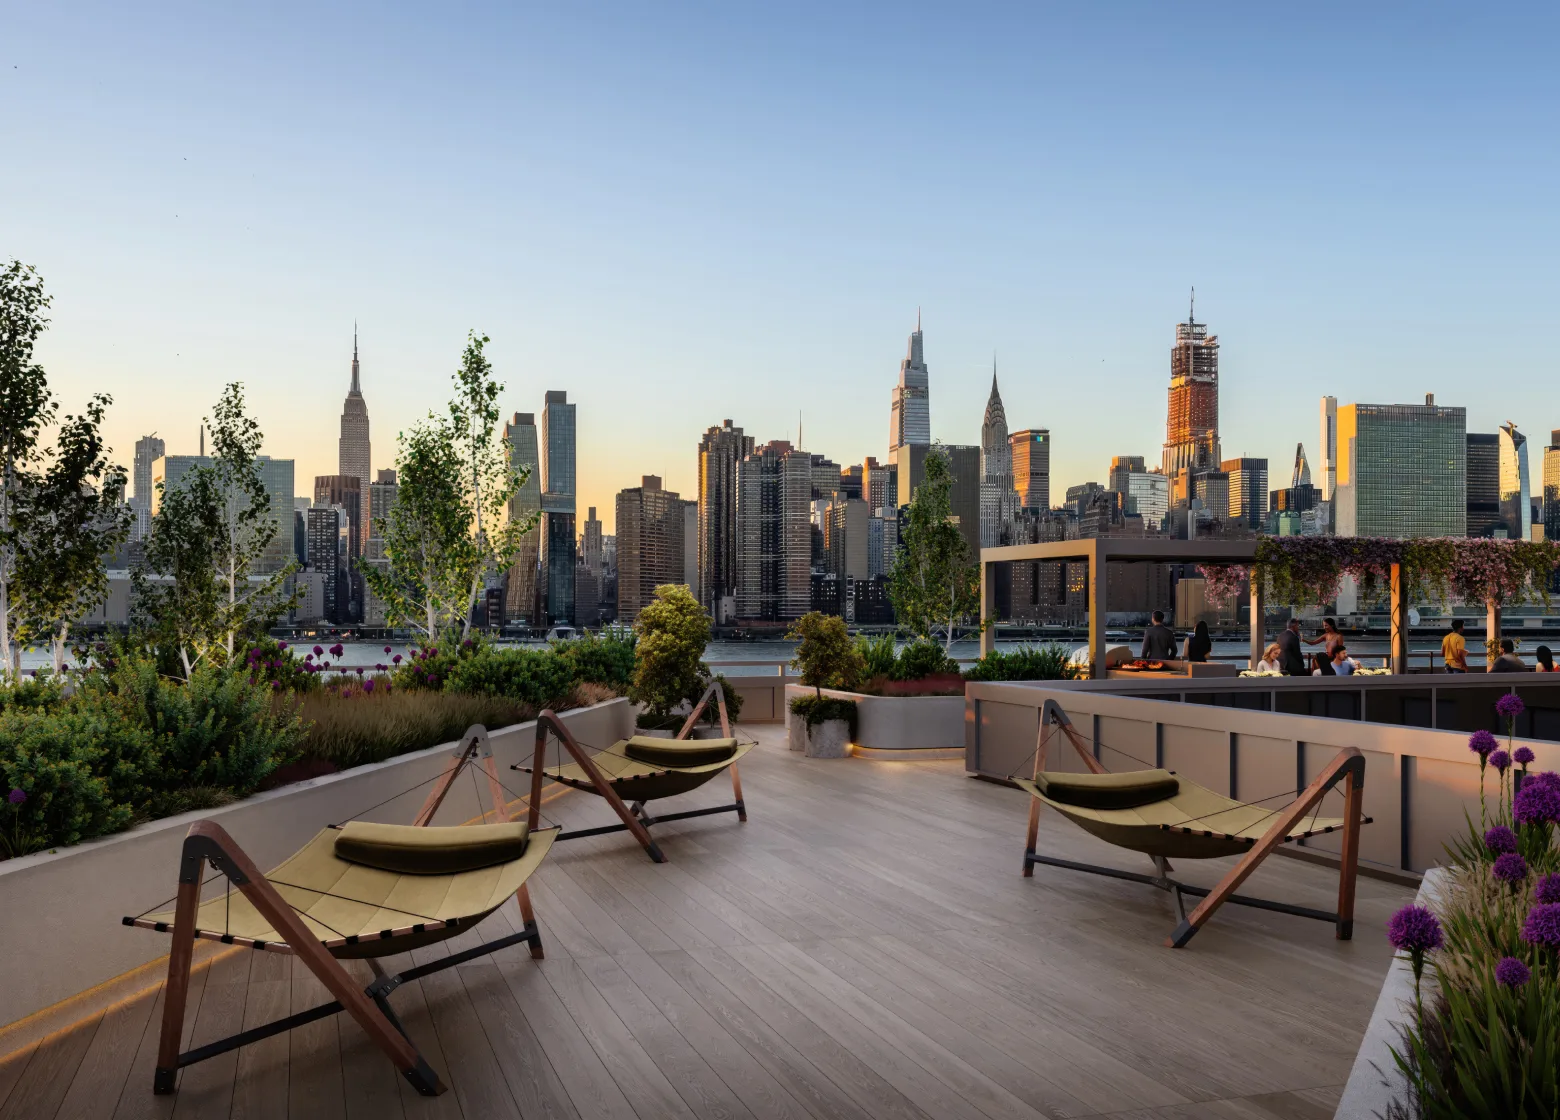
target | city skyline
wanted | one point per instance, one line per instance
(204, 215)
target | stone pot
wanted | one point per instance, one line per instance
(796, 732)
(829, 739)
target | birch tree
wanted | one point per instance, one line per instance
(447, 528)
(26, 409)
(934, 585)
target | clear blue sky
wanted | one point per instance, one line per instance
(685, 213)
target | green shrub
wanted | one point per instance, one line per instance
(733, 700)
(36, 693)
(528, 676)
(605, 659)
(1049, 662)
(216, 730)
(920, 659)
(824, 653)
(272, 663)
(668, 657)
(429, 668)
(61, 762)
(820, 709)
(878, 655)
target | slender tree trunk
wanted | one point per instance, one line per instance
(59, 647)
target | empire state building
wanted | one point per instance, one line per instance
(354, 446)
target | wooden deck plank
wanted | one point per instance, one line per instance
(370, 1085)
(206, 1088)
(264, 1067)
(47, 1078)
(473, 1075)
(534, 1084)
(315, 1089)
(136, 1100)
(105, 1068)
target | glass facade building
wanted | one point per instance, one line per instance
(1402, 470)
(558, 544)
(1516, 490)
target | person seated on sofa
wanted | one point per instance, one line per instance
(1508, 661)
(1343, 665)
(1322, 666)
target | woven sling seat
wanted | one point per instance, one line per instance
(646, 769)
(1165, 816)
(1192, 823)
(357, 891)
(357, 911)
(634, 771)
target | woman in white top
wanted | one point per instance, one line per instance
(1269, 662)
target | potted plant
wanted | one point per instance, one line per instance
(824, 726)
(669, 669)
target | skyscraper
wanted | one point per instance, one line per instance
(1248, 491)
(1402, 470)
(1329, 448)
(1516, 491)
(721, 449)
(1192, 425)
(1483, 503)
(910, 415)
(558, 493)
(1301, 474)
(877, 488)
(590, 542)
(1032, 467)
(354, 450)
(1122, 468)
(964, 494)
(650, 534)
(344, 492)
(147, 449)
(1552, 487)
(998, 496)
(520, 599)
(774, 534)
(276, 475)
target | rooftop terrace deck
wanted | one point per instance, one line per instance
(864, 946)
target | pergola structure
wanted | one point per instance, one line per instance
(1100, 551)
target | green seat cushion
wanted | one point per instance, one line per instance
(679, 752)
(1109, 791)
(408, 850)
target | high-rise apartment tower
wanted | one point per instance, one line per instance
(721, 449)
(354, 450)
(910, 416)
(1192, 424)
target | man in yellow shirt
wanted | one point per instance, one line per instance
(1454, 651)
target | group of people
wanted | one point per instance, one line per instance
(1454, 652)
(1287, 656)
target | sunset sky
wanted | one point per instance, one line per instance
(682, 213)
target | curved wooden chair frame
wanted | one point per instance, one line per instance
(1347, 768)
(208, 843)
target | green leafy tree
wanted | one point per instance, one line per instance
(935, 585)
(26, 409)
(210, 533)
(447, 528)
(825, 654)
(76, 515)
(668, 656)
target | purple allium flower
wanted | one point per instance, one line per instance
(1544, 778)
(1414, 929)
(251, 679)
(387, 649)
(432, 679)
(324, 664)
(337, 650)
(1500, 839)
(319, 651)
(396, 659)
(358, 670)
(368, 686)
(1543, 925)
(1510, 706)
(1548, 889)
(65, 668)
(1482, 742)
(1510, 868)
(1535, 803)
(281, 645)
(1512, 972)
(467, 642)
(1500, 760)
(1523, 755)
(308, 657)
(16, 796)
(276, 686)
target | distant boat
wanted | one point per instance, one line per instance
(562, 634)
(1114, 635)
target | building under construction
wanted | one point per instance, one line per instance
(1192, 425)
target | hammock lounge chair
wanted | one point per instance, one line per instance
(1168, 817)
(633, 771)
(357, 891)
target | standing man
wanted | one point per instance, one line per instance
(1454, 650)
(1291, 662)
(1158, 640)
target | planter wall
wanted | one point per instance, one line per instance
(888, 723)
(65, 906)
(1375, 1082)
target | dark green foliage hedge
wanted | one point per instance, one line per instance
(605, 659)
(821, 709)
(528, 676)
(921, 659)
(1049, 662)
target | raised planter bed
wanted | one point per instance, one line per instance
(1374, 1082)
(912, 726)
(65, 906)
